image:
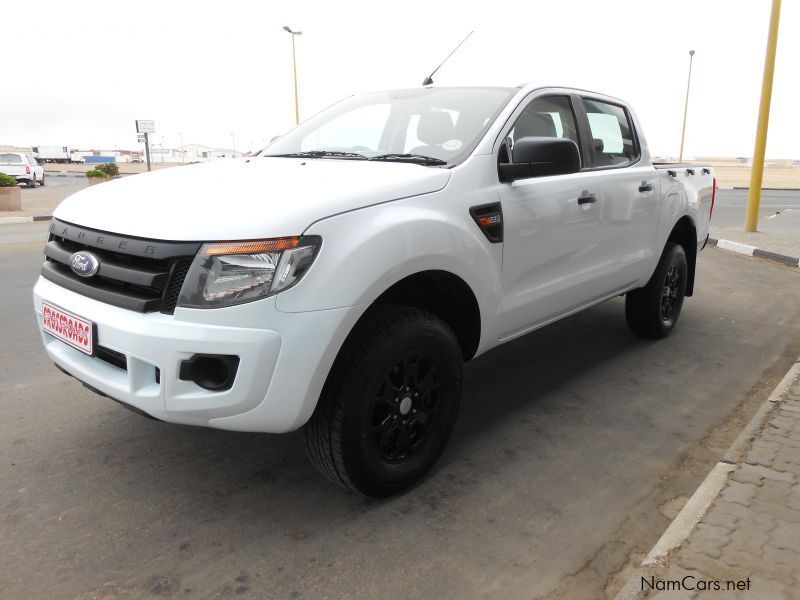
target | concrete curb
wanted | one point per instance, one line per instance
(696, 507)
(747, 250)
(13, 220)
(763, 189)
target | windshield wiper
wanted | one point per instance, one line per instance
(418, 158)
(319, 154)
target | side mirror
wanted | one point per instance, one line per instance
(541, 156)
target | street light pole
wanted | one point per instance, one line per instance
(233, 137)
(183, 151)
(686, 105)
(294, 68)
(757, 173)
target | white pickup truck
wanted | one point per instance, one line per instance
(339, 279)
(22, 167)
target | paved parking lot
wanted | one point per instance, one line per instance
(571, 445)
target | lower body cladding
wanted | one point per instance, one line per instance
(267, 367)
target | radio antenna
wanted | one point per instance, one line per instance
(429, 79)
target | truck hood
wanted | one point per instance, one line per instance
(243, 198)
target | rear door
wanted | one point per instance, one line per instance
(627, 188)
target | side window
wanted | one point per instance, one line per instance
(612, 134)
(551, 116)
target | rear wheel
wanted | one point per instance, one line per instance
(653, 311)
(390, 403)
(32, 181)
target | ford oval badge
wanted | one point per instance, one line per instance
(84, 264)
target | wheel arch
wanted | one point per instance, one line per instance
(684, 233)
(447, 296)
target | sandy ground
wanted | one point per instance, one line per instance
(123, 167)
(774, 177)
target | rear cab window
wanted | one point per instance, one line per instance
(613, 142)
(10, 158)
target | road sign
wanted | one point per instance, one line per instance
(145, 126)
(142, 137)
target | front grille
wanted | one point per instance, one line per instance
(139, 274)
(179, 271)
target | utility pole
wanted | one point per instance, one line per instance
(686, 105)
(294, 67)
(147, 149)
(757, 173)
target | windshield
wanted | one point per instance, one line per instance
(405, 125)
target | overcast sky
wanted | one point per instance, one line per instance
(209, 69)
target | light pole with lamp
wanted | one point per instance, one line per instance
(294, 68)
(686, 105)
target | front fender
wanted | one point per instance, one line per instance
(365, 252)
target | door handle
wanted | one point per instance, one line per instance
(646, 187)
(587, 199)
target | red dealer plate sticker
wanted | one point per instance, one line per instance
(69, 328)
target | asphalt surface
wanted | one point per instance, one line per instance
(569, 441)
(731, 205)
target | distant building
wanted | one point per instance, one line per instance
(189, 153)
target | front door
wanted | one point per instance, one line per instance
(552, 238)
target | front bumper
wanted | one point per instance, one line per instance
(284, 358)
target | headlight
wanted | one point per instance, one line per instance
(228, 273)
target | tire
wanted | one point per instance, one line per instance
(42, 181)
(390, 402)
(653, 311)
(31, 182)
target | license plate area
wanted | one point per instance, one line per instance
(69, 328)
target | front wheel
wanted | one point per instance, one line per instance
(42, 180)
(390, 403)
(653, 311)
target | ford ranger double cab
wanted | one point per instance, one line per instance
(339, 279)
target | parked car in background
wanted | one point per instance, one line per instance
(339, 279)
(22, 167)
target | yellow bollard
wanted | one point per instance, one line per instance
(757, 174)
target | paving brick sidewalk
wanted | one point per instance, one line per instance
(786, 243)
(752, 530)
